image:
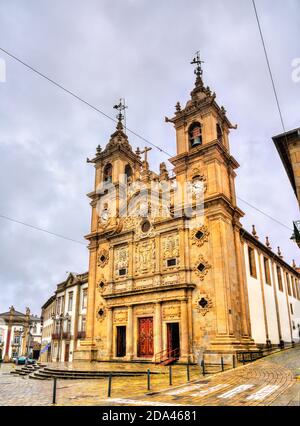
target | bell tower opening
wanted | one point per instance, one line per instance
(195, 134)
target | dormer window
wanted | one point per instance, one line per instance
(107, 174)
(195, 135)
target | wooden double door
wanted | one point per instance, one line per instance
(145, 337)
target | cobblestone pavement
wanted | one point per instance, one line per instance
(269, 381)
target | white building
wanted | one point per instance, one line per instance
(20, 334)
(273, 293)
(64, 319)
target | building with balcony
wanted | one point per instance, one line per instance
(64, 319)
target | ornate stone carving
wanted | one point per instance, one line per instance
(120, 316)
(121, 260)
(200, 235)
(103, 257)
(171, 311)
(144, 309)
(102, 284)
(201, 267)
(145, 257)
(203, 304)
(170, 246)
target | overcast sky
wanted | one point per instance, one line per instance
(140, 50)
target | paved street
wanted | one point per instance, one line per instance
(269, 381)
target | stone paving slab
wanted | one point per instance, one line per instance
(268, 381)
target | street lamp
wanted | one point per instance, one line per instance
(59, 318)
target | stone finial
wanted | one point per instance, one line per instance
(254, 233)
(11, 309)
(98, 149)
(268, 243)
(27, 311)
(178, 107)
(138, 152)
(279, 252)
(163, 172)
(294, 264)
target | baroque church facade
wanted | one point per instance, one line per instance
(169, 283)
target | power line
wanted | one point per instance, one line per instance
(50, 80)
(269, 66)
(40, 229)
(265, 214)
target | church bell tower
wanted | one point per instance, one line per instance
(203, 153)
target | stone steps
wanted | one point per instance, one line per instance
(50, 372)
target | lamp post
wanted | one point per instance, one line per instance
(59, 319)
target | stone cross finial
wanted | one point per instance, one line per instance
(146, 153)
(197, 62)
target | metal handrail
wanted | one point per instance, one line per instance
(166, 353)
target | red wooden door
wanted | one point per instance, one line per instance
(145, 337)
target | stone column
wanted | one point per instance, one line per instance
(158, 328)
(190, 324)
(184, 331)
(129, 337)
(109, 332)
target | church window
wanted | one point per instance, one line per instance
(279, 278)
(292, 310)
(122, 271)
(107, 174)
(219, 133)
(288, 282)
(171, 262)
(128, 172)
(252, 265)
(293, 287)
(101, 284)
(145, 226)
(201, 267)
(267, 271)
(195, 134)
(101, 312)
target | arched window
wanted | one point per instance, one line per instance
(219, 133)
(195, 135)
(128, 172)
(107, 174)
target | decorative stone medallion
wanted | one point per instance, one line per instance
(100, 313)
(203, 304)
(103, 258)
(200, 235)
(201, 267)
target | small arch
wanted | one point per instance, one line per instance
(107, 173)
(195, 134)
(128, 172)
(219, 133)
